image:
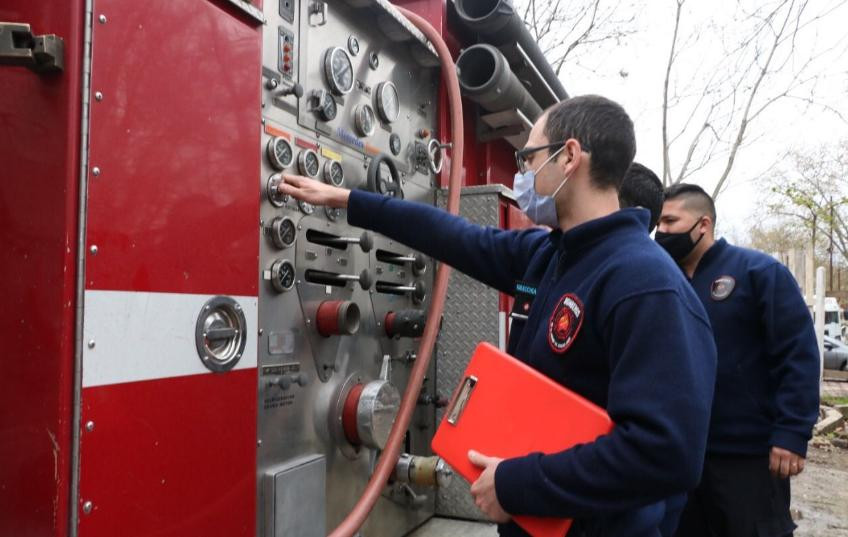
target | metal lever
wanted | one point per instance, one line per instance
(325, 239)
(364, 241)
(419, 264)
(418, 290)
(40, 53)
(435, 155)
(332, 278)
(217, 334)
(294, 89)
(318, 8)
(364, 279)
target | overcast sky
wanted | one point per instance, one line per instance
(632, 73)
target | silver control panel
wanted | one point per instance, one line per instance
(350, 95)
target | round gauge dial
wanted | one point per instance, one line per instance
(364, 120)
(395, 144)
(353, 45)
(306, 207)
(338, 70)
(388, 104)
(334, 173)
(373, 61)
(282, 232)
(282, 275)
(333, 213)
(307, 163)
(274, 196)
(324, 105)
(280, 153)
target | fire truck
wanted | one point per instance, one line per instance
(192, 353)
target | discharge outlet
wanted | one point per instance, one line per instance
(337, 318)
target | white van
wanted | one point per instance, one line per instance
(834, 319)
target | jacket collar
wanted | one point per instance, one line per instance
(630, 220)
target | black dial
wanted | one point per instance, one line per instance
(333, 213)
(307, 163)
(395, 144)
(353, 45)
(338, 70)
(388, 104)
(373, 61)
(333, 173)
(282, 232)
(282, 275)
(280, 153)
(306, 207)
(364, 120)
(324, 104)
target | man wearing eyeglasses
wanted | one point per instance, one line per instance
(610, 317)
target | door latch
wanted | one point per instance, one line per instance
(40, 53)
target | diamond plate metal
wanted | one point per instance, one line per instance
(439, 527)
(471, 315)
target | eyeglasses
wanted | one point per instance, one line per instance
(522, 155)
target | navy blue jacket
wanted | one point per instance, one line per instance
(767, 387)
(614, 320)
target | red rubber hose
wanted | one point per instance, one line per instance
(389, 456)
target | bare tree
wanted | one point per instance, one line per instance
(565, 29)
(708, 107)
(811, 193)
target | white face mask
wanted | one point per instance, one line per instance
(540, 209)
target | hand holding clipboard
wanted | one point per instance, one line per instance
(504, 408)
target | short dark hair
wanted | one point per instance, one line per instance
(603, 128)
(642, 188)
(694, 198)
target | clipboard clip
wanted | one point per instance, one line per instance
(461, 399)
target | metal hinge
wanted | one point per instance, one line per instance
(40, 53)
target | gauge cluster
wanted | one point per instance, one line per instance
(344, 104)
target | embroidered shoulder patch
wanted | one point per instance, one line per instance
(565, 323)
(722, 287)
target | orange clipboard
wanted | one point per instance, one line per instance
(504, 408)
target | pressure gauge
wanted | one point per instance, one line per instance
(333, 173)
(364, 120)
(282, 232)
(307, 163)
(395, 144)
(333, 213)
(282, 275)
(338, 70)
(373, 61)
(280, 153)
(353, 45)
(388, 105)
(306, 207)
(324, 104)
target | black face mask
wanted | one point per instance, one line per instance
(678, 245)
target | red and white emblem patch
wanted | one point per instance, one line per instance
(565, 323)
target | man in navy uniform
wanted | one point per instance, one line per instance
(642, 188)
(767, 386)
(611, 318)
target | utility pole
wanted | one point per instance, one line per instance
(830, 248)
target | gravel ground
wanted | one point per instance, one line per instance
(820, 493)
